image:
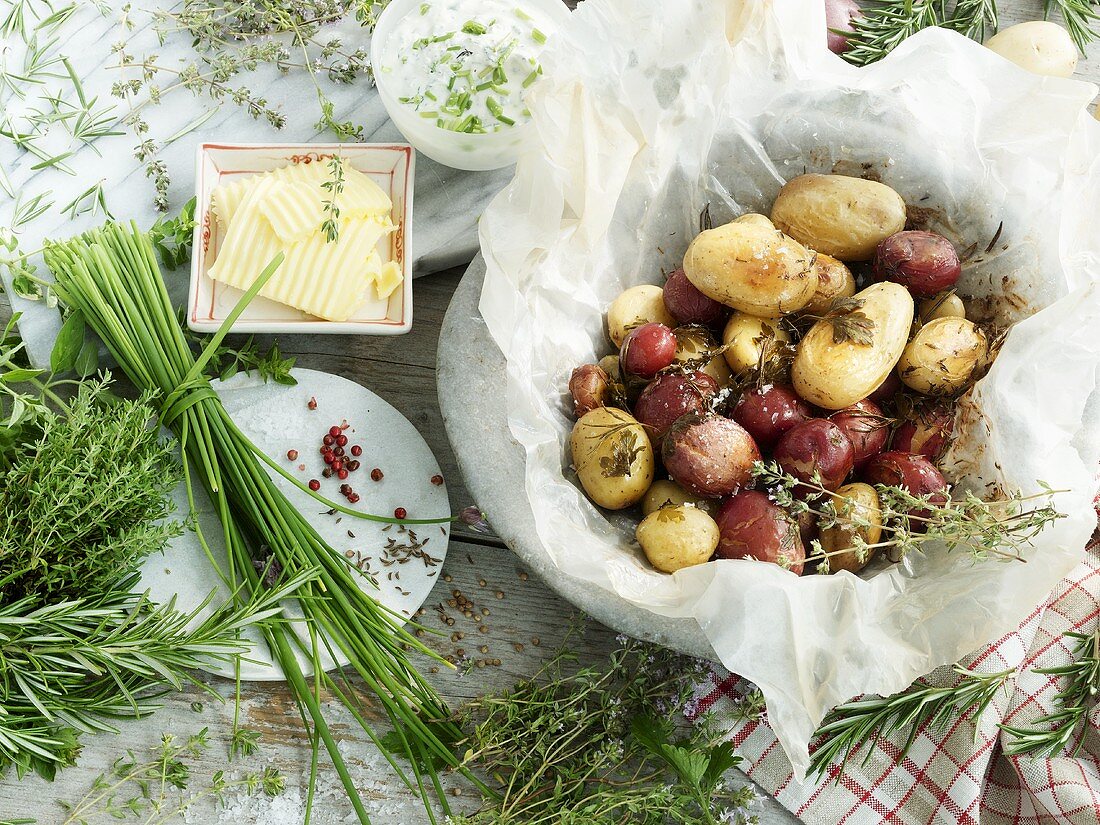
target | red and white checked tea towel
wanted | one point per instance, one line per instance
(958, 774)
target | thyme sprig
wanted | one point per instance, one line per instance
(863, 722)
(573, 745)
(1000, 528)
(1051, 734)
(162, 786)
(334, 187)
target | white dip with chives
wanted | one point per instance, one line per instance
(465, 63)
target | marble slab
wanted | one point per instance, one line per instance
(448, 202)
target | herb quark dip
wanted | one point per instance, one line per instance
(465, 65)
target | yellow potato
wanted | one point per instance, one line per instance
(636, 306)
(613, 457)
(836, 375)
(834, 280)
(942, 356)
(755, 218)
(1039, 46)
(859, 514)
(610, 365)
(677, 537)
(751, 340)
(838, 215)
(692, 343)
(750, 266)
(947, 306)
(665, 492)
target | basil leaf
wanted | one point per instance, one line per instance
(87, 360)
(67, 347)
(18, 374)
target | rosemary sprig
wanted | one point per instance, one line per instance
(851, 726)
(1050, 734)
(884, 24)
(1080, 17)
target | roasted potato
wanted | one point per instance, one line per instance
(834, 280)
(750, 266)
(752, 526)
(816, 448)
(671, 396)
(837, 215)
(647, 350)
(866, 427)
(923, 262)
(589, 386)
(677, 537)
(942, 356)
(750, 339)
(859, 516)
(666, 492)
(690, 306)
(638, 305)
(836, 375)
(1039, 46)
(913, 473)
(693, 344)
(769, 411)
(927, 432)
(948, 305)
(613, 457)
(711, 456)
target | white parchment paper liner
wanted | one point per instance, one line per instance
(652, 109)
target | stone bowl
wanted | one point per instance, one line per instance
(470, 370)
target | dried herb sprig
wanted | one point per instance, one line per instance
(1000, 528)
(862, 722)
(1051, 734)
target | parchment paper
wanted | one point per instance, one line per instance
(653, 109)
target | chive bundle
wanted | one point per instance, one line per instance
(110, 276)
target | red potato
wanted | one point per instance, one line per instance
(817, 446)
(927, 433)
(589, 385)
(752, 526)
(914, 473)
(807, 527)
(866, 427)
(839, 15)
(647, 350)
(671, 396)
(711, 457)
(688, 305)
(769, 411)
(886, 390)
(923, 262)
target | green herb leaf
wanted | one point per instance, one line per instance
(69, 342)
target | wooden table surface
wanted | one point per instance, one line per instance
(524, 624)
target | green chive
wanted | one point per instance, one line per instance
(538, 36)
(531, 78)
(473, 27)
